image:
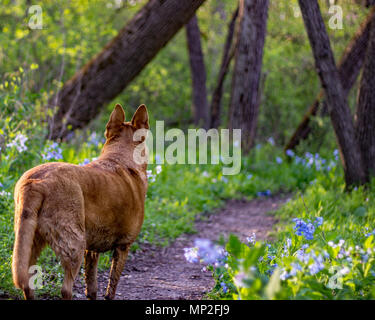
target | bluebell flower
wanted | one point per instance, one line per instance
(317, 265)
(18, 142)
(370, 233)
(157, 159)
(266, 193)
(191, 255)
(279, 160)
(204, 250)
(251, 239)
(86, 161)
(224, 287)
(290, 153)
(271, 141)
(318, 221)
(224, 179)
(52, 152)
(306, 228)
(94, 139)
(336, 154)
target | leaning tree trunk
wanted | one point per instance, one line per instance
(198, 73)
(349, 67)
(365, 124)
(337, 105)
(121, 60)
(247, 70)
(225, 63)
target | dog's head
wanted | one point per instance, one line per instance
(126, 135)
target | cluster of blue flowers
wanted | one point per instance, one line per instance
(251, 239)
(266, 193)
(370, 233)
(307, 228)
(312, 160)
(52, 152)
(18, 143)
(151, 176)
(207, 252)
(94, 139)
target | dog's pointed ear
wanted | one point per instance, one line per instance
(140, 118)
(115, 122)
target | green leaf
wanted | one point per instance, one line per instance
(360, 211)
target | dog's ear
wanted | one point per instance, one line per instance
(140, 118)
(115, 122)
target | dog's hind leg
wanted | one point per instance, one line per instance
(118, 262)
(62, 224)
(91, 263)
(71, 269)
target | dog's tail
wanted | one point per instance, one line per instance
(28, 204)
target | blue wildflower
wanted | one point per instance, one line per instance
(266, 193)
(318, 221)
(86, 161)
(251, 239)
(204, 250)
(224, 287)
(191, 255)
(52, 152)
(290, 153)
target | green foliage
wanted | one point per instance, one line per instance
(337, 263)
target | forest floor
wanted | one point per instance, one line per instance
(155, 272)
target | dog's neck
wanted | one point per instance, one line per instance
(122, 155)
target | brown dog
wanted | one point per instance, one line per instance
(83, 210)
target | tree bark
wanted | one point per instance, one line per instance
(367, 3)
(365, 114)
(225, 63)
(198, 73)
(121, 60)
(337, 105)
(349, 68)
(247, 70)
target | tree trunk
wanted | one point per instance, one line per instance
(366, 3)
(365, 124)
(121, 60)
(198, 73)
(349, 67)
(225, 62)
(338, 108)
(247, 70)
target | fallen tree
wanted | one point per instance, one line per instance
(120, 61)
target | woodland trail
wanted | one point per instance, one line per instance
(154, 273)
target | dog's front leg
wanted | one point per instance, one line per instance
(91, 263)
(118, 262)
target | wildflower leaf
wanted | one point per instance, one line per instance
(368, 241)
(273, 285)
(360, 211)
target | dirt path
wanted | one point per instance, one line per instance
(163, 273)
